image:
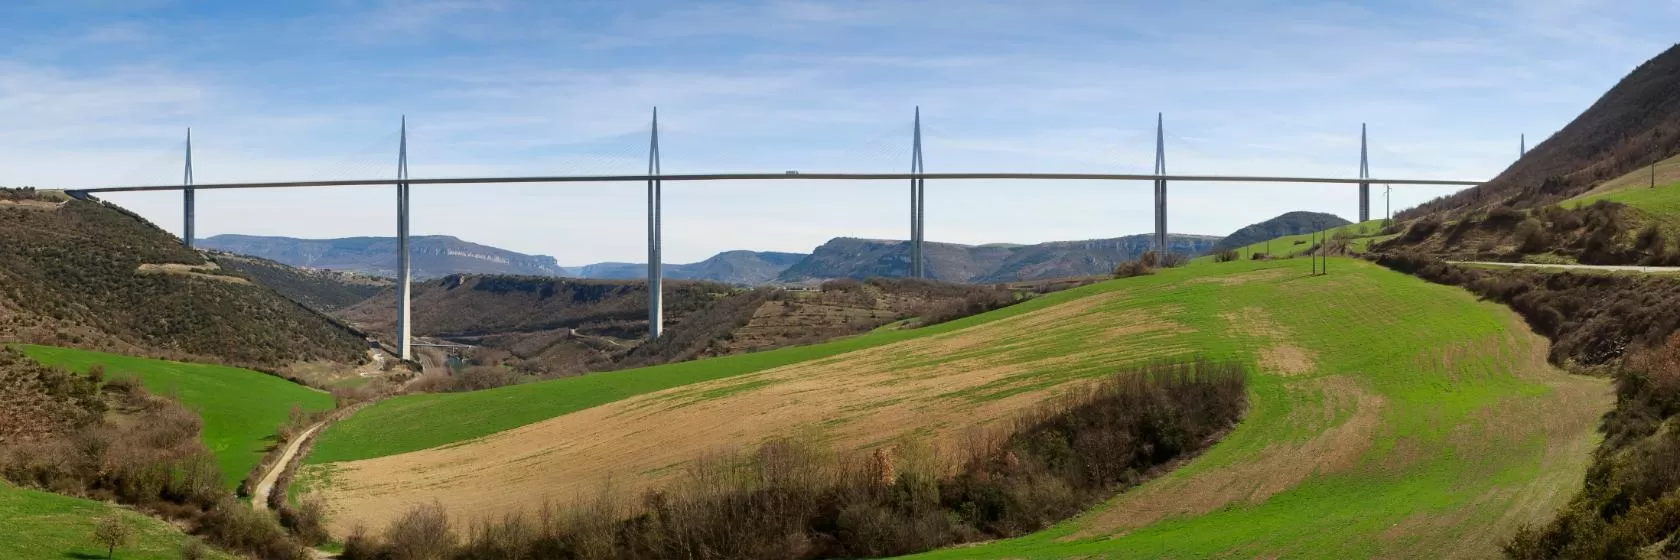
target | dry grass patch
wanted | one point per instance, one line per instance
(922, 386)
(207, 271)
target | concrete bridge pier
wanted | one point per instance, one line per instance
(1364, 173)
(918, 202)
(1160, 188)
(187, 197)
(656, 264)
(405, 284)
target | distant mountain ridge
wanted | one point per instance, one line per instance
(850, 257)
(730, 267)
(433, 256)
(1288, 223)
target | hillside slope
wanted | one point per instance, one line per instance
(431, 256)
(1286, 224)
(1635, 123)
(240, 407)
(321, 290)
(93, 275)
(848, 257)
(1391, 417)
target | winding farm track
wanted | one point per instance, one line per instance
(259, 497)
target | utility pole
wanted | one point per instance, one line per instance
(1522, 145)
(405, 284)
(187, 196)
(1388, 210)
(656, 264)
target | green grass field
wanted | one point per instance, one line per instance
(241, 408)
(415, 422)
(1364, 234)
(37, 525)
(1426, 426)
(1389, 416)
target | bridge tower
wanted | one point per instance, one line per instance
(187, 196)
(405, 284)
(918, 202)
(1160, 188)
(1364, 173)
(1522, 145)
(656, 264)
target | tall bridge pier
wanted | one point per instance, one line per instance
(918, 202)
(1160, 188)
(1364, 173)
(656, 264)
(405, 284)
(187, 196)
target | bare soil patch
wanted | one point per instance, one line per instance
(207, 271)
(31, 204)
(1280, 356)
(864, 399)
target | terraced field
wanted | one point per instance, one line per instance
(36, 525)
(240, 408)
(1390, 417)
(1661, 203)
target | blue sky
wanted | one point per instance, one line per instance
(99, 92)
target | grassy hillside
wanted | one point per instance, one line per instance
(1425, 423)
(321, 290)
(1660, 204)
(1360, 237)
(43, 526)
(92, 275)
(1289, 223)
(1632, 125)
(416, 422)
(241, 408)
(1391, 417)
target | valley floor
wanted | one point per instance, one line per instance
(1390, 417)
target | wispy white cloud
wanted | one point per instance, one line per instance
(510, 87)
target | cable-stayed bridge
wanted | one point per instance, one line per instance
(655, 177)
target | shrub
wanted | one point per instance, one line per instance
(1132, 268)
(1259, 256)
(421, 534)
(1227, 255)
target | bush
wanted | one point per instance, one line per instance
(1227, 255)
(1132, 268)
(421, 534)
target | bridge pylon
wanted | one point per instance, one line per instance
(1364, 173)
(1160, 189)
(187, 197)
(656, 253)
(918, 201)
(405, 284)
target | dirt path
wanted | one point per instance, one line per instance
(259, 499)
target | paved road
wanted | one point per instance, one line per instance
(259, 497)
(1603, 267)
